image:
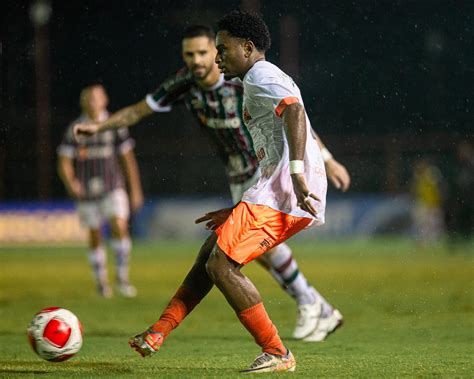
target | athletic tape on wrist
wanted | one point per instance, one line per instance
(326, 154)
(296, 167)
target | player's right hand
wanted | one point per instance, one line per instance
(76, 191)
(84, 130)
(215, 219)
(303, 196)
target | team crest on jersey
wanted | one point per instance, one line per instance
(227, 91)
(247, 116)
(230, 104)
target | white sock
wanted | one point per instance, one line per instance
(122, 248)
(327, 308)
(98, 261)
(285, 271)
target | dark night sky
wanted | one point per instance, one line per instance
(367, 68)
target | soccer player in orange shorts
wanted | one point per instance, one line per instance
(216, 104)
(289, 196)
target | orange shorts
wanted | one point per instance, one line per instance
(252, 229)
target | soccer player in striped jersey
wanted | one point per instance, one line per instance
(217, 105)
(94, 173)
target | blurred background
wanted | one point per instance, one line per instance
(386, 84)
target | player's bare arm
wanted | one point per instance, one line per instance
(295, 128)
(132, 173)
(338, 174)
(335, 171)
(68, 177)
(125, 117)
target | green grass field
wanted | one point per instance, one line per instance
(408, 313)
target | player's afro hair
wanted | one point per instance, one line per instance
(248, 26)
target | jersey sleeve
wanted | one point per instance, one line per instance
(273, 92)
(171, 91)
(124, 142)
(68, 144)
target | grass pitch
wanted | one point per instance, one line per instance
(408, 313)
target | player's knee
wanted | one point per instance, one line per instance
(215, 265)
(211, 267)
(207, 247)
(119, 227)
(95, 238)
(205, 251)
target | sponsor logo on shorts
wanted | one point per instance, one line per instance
(265, 244)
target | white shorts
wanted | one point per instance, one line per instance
(92, 214)
(237, 190)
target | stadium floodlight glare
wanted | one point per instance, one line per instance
(40, 12)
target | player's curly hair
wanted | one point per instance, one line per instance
(242, 24)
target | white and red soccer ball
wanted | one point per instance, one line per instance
(55, 334)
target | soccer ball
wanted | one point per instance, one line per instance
(55, 334)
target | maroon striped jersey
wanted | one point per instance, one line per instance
(96, 158)
(218, 111)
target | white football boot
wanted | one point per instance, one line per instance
(307, 319)
(126, 290)
(326, 326)
(272, 363)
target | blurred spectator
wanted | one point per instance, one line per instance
(460, 204)
(428, 215)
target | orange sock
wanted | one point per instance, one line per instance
(256, 321)
(181, 304)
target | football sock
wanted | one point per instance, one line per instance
(256, 321)
(98, 261)
(285, 270)
(327, 308)
(122, 248)
(181, 304)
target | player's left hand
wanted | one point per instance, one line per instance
(303, 195)
(338, 175)
(215, 218)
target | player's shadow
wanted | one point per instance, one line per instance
(93, 369)
(85, 368)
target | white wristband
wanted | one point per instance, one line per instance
(326, 154)
(296, 167)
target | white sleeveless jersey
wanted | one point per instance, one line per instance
(267, 91)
